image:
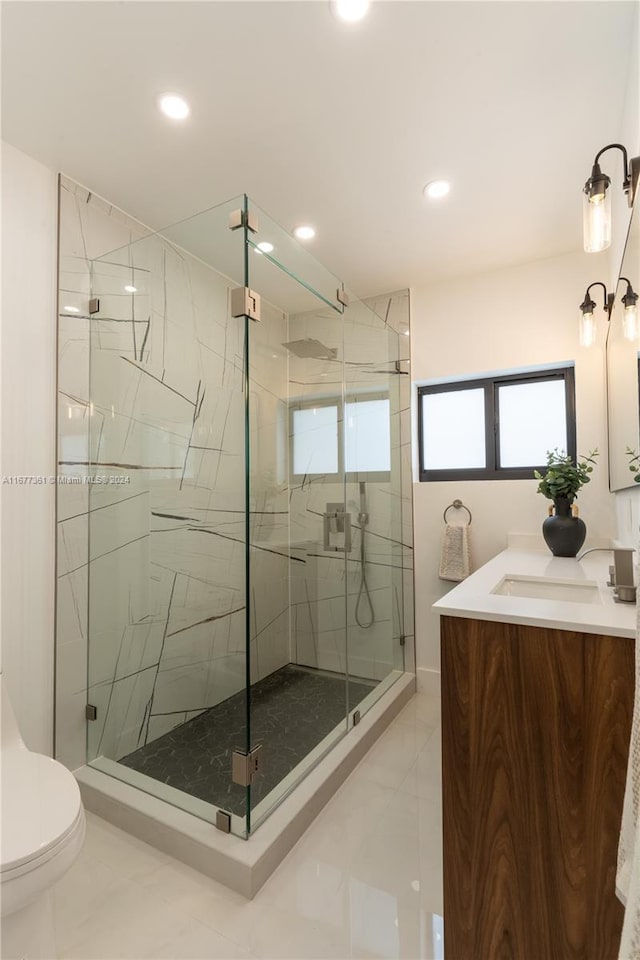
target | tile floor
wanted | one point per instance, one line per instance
(364, 881)
(292, 710)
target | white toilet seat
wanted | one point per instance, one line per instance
(43, 825)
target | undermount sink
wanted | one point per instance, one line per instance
(543, 588)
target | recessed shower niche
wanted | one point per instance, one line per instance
(235, 576)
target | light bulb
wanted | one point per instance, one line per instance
(264, 247)
(437, 189)
(597, 222)
(350, 10)
(587, 330)
(304, 232)
(630, 322)
(130, 289)
(174, 106)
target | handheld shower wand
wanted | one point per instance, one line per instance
(363, 592)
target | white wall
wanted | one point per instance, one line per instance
(29, 214)
(512, 318)
(627, 501)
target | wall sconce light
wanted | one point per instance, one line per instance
(630, 328)
(587, 321)
(630, 319)
(597, 199)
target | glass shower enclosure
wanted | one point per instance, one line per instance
(245, 434)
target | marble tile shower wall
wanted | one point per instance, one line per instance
(162, 414)
(324, 633)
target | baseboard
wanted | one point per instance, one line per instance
(428, 681)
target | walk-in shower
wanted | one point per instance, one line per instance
(241, 535)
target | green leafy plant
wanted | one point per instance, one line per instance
(634, 463)
(563, 478)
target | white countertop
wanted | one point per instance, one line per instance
(472, 598)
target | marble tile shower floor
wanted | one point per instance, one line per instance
(365, 880)
(292, 711)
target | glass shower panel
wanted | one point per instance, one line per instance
(167, 599)
(374, 377)
(299, 526)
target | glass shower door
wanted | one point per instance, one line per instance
(300, 529)
(167, 658)
(374, 380)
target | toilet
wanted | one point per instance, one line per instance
(43, 829)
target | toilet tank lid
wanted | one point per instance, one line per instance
(40, 805)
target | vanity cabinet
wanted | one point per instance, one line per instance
(535, 735)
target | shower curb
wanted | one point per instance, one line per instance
(242, 865)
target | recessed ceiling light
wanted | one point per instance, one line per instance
(130, 289)
(304, 233)
(350, 10)
(265, 247)
(71, 309)
(174, 106)
(436, 189)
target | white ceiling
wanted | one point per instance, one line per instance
(335, 124)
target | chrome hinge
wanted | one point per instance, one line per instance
(342, 296)
(223, 821)
(246, 766)
(403, 640)
(241, 218)
(356, 717)
(245, 303)
(94, 306)
(91, 712)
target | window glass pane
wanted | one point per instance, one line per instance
(367, 436)
(532, 421)
(315, 440)
(453, 430)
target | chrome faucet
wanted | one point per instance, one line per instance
(621, 573)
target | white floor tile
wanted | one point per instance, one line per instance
(129, 923)
(422, 708)
(391, 758)
(365, 881)
(127, 855)
(199, 942)
(424, 778)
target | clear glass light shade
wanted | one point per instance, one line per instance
(597, 222)
(630, 323)
(587, 330)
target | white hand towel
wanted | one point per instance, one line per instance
(455, 560)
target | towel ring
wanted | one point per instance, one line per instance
(457, 504)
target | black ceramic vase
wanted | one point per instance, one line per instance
(563, 534)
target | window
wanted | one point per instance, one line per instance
(315, 433)
(329, 437)
(495, 428)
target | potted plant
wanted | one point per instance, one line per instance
(564, 534)
(634, 463)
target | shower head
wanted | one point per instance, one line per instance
(311, 349)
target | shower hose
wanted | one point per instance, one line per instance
(363, 593)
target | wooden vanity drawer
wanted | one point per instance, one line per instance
(535, 734)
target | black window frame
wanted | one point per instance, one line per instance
(491, 386)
